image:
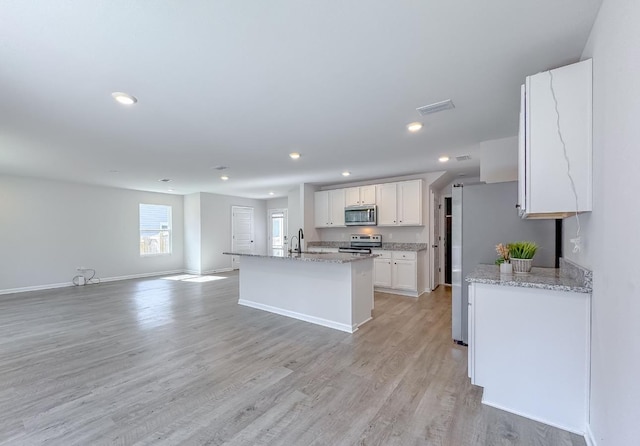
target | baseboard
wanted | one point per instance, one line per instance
(398, 292)
(140, 276)
(526, 415)
(51, 286)
(217, 271)
(36, 288)
(589, 438)
(302, 317)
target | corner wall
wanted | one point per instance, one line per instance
(610, 232)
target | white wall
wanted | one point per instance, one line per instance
(215, 211)
(295, 213)
(308, 219)
(48, 228)
(192, 234)
(278, 203)
(610, 233)
(499, 160)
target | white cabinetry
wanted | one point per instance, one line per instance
(544, 187)
(399, 272)
(329, 208)
(404, 272)
(400, 204)
(529, 349)
(382, 269)
(357, 196)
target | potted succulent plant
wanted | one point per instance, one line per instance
(521, 255)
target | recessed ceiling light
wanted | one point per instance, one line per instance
(346, 173)
(443, 159)
(294, 155)
(124, 98)
(165, 180)
(414, 126)
(224, 178)
(271, 193)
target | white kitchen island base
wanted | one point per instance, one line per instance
(333, 290)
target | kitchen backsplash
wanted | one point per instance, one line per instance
(413, 234)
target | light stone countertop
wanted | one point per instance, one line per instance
(310, 257)
(386, 246)
(543, 278)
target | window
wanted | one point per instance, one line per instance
(155, 229)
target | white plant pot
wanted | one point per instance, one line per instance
(521, 266)
(506, 268)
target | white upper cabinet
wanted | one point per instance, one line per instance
(400, 204)
(387, 204)
(336, 206)
(410, 203)
(556, 107)
(329, 208)
(359, 196)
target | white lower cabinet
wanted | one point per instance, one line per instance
(382, 272)
(404, 275)
(382, 269)
(529, 349)
(396, 271)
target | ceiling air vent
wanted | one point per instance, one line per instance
(435, 107)
(463, 158)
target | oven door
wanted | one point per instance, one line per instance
(360, 216)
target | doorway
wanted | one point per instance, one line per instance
(278, 242)
(242, 232)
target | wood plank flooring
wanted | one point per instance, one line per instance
(166, 362)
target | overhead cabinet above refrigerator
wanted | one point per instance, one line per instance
(554, 160)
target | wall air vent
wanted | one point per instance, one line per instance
(435, 107)
(463, 158)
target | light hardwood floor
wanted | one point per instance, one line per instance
(162, 362)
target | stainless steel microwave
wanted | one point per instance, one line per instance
(360, 215)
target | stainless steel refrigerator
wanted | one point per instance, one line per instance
(484, 215)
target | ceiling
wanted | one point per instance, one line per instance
(243, 83)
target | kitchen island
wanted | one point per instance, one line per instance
(330, 289)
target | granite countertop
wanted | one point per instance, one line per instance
(310, 257)
(385, 246)
(543, 278)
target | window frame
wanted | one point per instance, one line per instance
(160, 229)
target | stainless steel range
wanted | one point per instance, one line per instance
(363, 244)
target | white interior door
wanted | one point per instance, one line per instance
(278, 242)
(242, 232)
(435, 243)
